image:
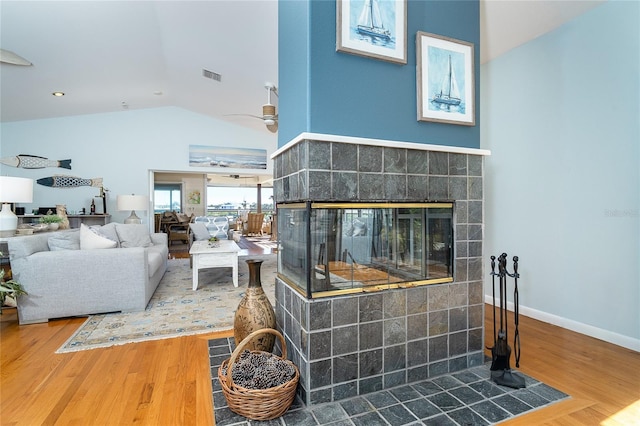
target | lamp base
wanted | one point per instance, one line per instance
(8, 221)
(133, 218)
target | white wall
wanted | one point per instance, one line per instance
(121, 148)
(561, 118)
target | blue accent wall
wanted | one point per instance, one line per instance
(349, 95)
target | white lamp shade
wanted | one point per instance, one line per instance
(16, 189)
(132, 202)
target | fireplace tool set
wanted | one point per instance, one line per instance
(501, 351)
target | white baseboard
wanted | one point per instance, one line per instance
(578, 327)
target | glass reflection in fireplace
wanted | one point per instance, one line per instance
(333, 248)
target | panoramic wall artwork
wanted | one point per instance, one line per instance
(222, 157)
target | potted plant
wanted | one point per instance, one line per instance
(9, 289)
(53, 220)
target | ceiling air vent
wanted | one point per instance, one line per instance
(212, 75)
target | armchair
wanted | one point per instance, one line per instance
(254, 224)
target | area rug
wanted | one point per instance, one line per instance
(175, 309)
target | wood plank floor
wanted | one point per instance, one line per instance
(167, 382)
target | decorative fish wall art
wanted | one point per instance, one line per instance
(27, 161)
(60, 181)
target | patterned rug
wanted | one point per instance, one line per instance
(175, 309)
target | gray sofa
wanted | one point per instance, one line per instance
(64, 276)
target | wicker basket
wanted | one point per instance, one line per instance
(258, 404)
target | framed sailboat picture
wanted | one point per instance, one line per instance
(373, 28)
(445, 80)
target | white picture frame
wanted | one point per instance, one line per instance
(445, 79)
(372, 28)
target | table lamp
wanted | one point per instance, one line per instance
(133, 203)
(13, 190)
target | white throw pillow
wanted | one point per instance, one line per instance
(107, 231)
(200, 231)
(91, 240)
(133, 235)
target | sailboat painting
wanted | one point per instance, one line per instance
(445, 80)
(373, 28)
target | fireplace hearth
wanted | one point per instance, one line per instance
(380, 262)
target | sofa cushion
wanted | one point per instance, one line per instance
(65, 240)
(107, 231)
(155, 262)
(90, 239)
(133, 235)
(200, 231)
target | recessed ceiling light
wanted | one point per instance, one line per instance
(58, 94)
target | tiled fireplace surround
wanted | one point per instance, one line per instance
(356, 344)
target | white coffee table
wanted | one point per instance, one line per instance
(223, 254)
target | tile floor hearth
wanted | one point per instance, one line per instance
(466, 397)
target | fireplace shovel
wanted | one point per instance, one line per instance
(501, 352)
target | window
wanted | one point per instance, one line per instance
(167, 197)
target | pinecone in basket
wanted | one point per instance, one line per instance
(260, 370)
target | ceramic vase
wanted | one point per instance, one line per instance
(54, 226)
(254, 312)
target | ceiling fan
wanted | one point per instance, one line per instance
(269, 115)
(8, 57)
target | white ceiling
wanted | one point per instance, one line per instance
(113, 55)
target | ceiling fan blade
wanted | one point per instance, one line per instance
(8, 57)
(244, 115)
(273, 128)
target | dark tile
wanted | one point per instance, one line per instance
(511, 404)
(394, 304)
(438, 188)
(372, 384)
(395, 331)
(328, 413)
(466, 395)
(397, 415)
(547, 392)
(320, 396)
(345, 311)
(394, 358)
(356, 406)
(438, 323)
(445, 401)
(224, 416)
(458, 345)
(417, 326)
(475, 188)
(370, 363)
(320, 315)
(440, 420)
(370, 307)
(395, 160)
(447, 382)
(457, 319)
(465, 416)
(438, 348)
(345, 368)
(467, 377)
(487, 389)
(417, 373)
(394, 379)
(405, 393)
(371, 187)
(395, 187)
(417, 300)
(417, 161)
(319, 155)
(438, 368)
(344, 156)
(438, 163)
(417, 352)
(458, 188)
(370, 158)
(370, 335)
(475, 212)
(530, 398)
(345, 339)
(427, 388)
(474, 164)
(490, 411)
(319, 345)
(369, 419)
(422, 408)
(298, 418)
(320, 372)
(345, 390)
(381, 399)
(417, 188)
(344, 186)
(319, 185)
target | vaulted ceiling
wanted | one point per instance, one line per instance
(109, 56)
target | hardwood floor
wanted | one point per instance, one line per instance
(167, 382)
